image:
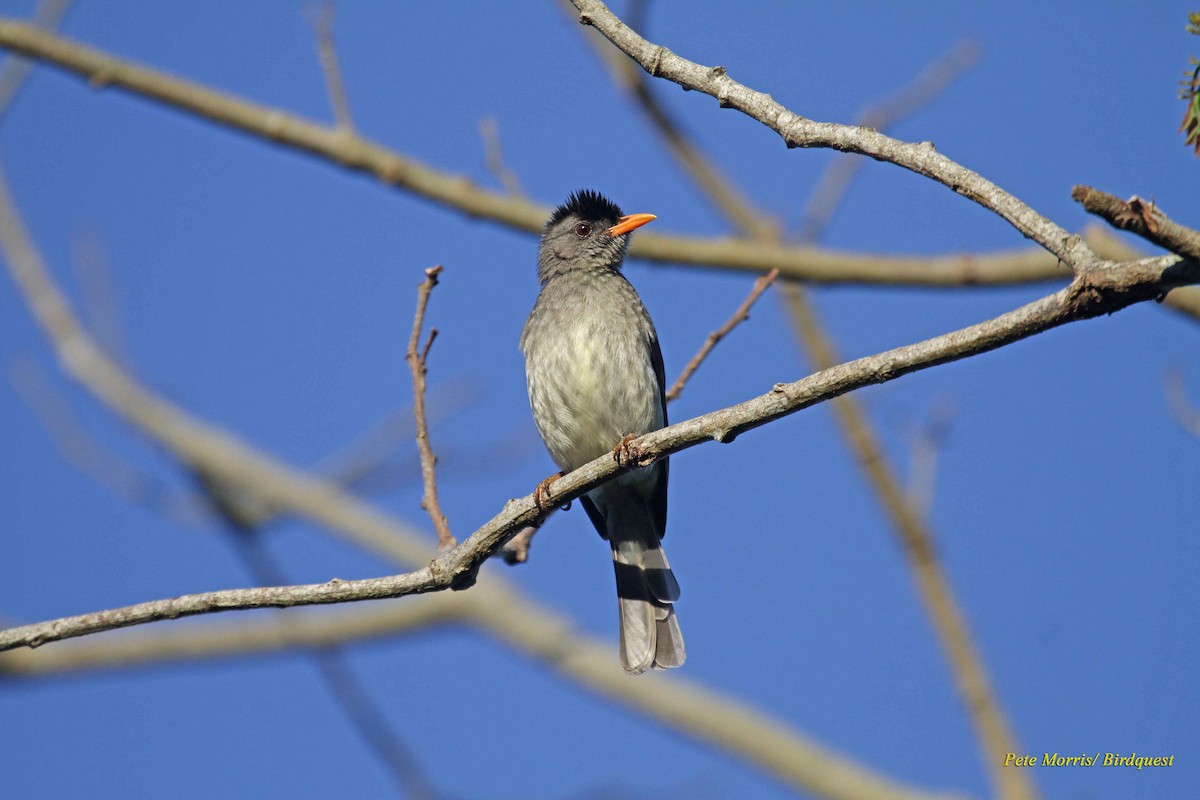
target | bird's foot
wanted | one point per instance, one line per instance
(626, 453)
(541, 495)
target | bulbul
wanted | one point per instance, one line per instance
(595, 375)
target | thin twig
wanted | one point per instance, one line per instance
(742, 314)
(489, 131)
(352, 152)
(1141, 217)
(321, 20)
(83, 452)
(1097, 293)
(243, 518)
(48, 16)
(417, 365)
(1186, 414)
(495, 607)
(246, 637)
(928, 439)
(361, 462)
(725, 197)
(927, 87)
(921, 158)
(974, 685)
(978, 700)
(516, 549)
(101, 306)
(340, 679)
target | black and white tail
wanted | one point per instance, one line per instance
(646, 591)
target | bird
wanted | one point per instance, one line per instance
(595, 376)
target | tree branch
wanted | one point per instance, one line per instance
(321, 20)
(1101, 291)
(417, 365)
(351, 151)
(1140, 217)
(921, 158)
(928, 437)
(332, 664)
(493, 153)
(972, 682)
(48, 17)
(739, 316)
(1093, 293)
(496, 609)
(1186, 414)
(248, 637)
(688, 707)
(835, 181)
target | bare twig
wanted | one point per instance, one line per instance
(1097, 292)
(48, 16)
(356, 702)
(1187, 414)
(796, 131)
(725, 197)
(697, 712)
(489, 131)
(833, 183)
(243, 518)
(101, 307)
(395, 169)
(361, 463)
(928, 438)
(906, 512)
(516, 549)
(247, 637)
(972, 682)
(494, 607)
(321, 20)
(343, 683)
(979, 702)
(1141, 217)
(417, 365)
(741, 315)
(79, 449)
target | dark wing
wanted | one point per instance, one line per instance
(658, 500)
(595, 516)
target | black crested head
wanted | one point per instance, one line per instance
(587, 204)
(586, 234)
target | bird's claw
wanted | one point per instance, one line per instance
(626, 453)
(541, 495)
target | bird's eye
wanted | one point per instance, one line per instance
(583, 229)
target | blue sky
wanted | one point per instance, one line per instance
(271, 294)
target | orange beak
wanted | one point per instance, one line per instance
(626, 224)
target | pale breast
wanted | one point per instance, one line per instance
(591, 378)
